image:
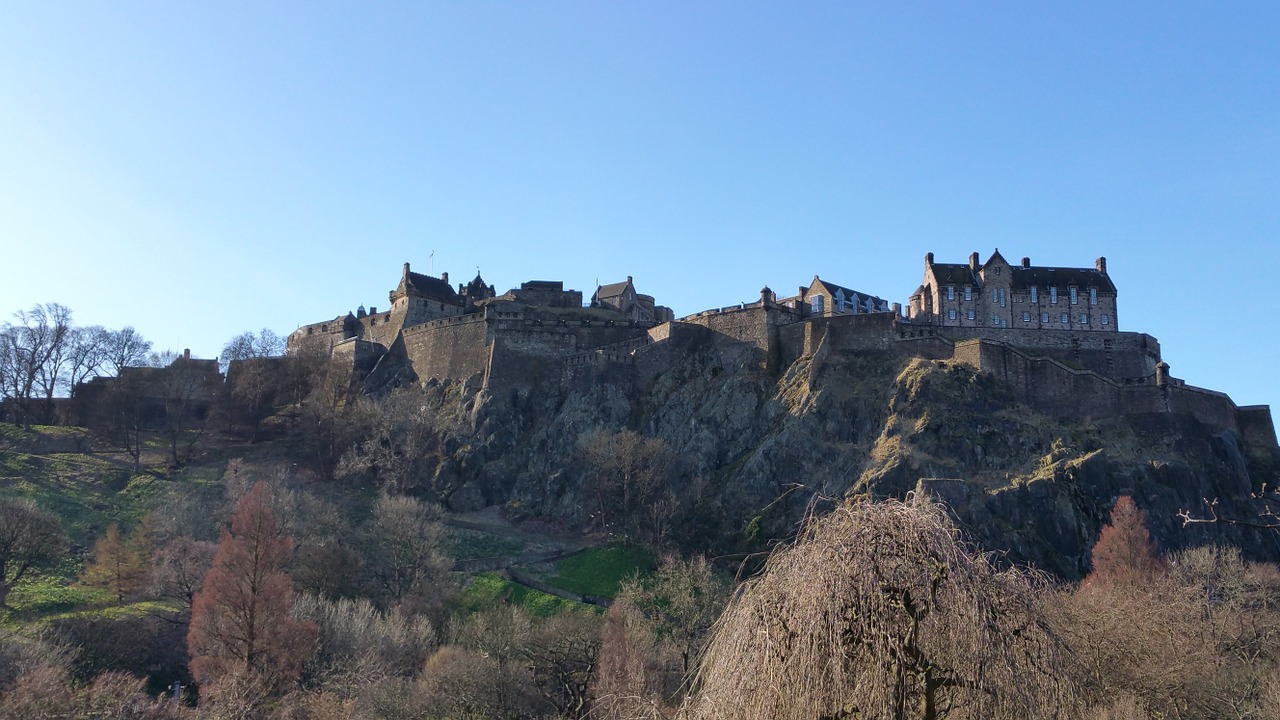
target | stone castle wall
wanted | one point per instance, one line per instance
(456, 347)
(1116, 354)
(1069, 392)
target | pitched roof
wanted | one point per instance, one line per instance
(432, 287)
(953, 274)
(833, 288)
(1044, 276)
(612, 290)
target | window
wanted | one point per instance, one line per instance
(951, 292)
(1106, 319)
(970, 314)
(1074, 300)
(1034, 297)
(840, 300)
(1053, 296)
(1093, 296)
(1066, 319)
(815, 304)
(1044, 318)
(995, 320)
(951, 314)
(1026, 317)
(999, 296)
(968, 292)
(1084, 319)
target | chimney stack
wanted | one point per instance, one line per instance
(186, 353)
(973, 262)
(444, 277)
(406, 271)
(928, 259)
(1101, 263)
(1026, 263)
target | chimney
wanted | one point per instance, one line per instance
(406, 272)
(973, 262)
(373, 310)
(186, 353)
(628, 278)
(444, 277)
(928, 259)
(1026, 263)
(1101, 264)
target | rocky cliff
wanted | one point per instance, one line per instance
(756, 449)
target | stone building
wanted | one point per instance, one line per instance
(622, 297)
(996, 294)
(823, 298)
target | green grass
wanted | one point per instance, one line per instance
(600, 571)
(44, 595)
(118, 612)
(489, 590)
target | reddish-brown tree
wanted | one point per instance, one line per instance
(1125, 551)
(241, 627)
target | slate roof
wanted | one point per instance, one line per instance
(1023, 278)
(432, 287)
(1044, 276)
(612, 290)
(861, 297)
(954, 274)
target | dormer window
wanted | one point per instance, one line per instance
(815, 304)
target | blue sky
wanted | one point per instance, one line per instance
(197, 170)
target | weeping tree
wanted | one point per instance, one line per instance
(880, 610)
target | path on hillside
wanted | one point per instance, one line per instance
(540, 542)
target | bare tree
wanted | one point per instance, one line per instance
(880, 610)
(86, 354)
(30, 539)
(403, 447)
(247, 346)
(406, 539)
(185, 388)
(32, 353)
(124, 348)
(628, 477)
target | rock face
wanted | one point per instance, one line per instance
(758, 447)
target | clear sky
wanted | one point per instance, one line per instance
(200, 169)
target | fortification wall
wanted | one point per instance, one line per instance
(383, 327)
(1256, 425)
(316, 338)
(359, 354)
(736, 323)
(672, 342)
(1120, 355)
(526, 352)
(1067, 392)
(456, 347)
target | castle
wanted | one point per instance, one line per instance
(1051, 333)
